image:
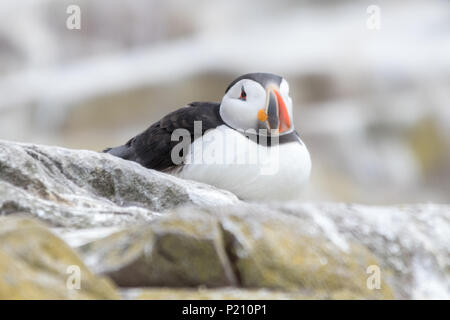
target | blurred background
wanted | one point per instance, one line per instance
(373, 106)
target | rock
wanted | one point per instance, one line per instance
(241, 246)
(410, 241)
(81, 189)
(312, 250)
(183, 250)
(35, 264)
(273, 250)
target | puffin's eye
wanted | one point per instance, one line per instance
(243, 94)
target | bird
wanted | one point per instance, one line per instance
(246, 144)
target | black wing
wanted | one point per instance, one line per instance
(152, 148)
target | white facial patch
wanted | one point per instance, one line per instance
(241, 114)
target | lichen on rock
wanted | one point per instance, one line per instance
(34, 264)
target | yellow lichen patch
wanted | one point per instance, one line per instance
(34, 264)
(285, 259)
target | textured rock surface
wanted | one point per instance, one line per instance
(156, 237)
(314, 250)
(183, 250)
(80, 189)
(263, 249)
(410, 240)
(34, 265)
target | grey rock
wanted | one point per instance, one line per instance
(174, 251)
(411, 242)
(81, 189)
(316, 250)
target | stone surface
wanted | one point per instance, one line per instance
(412, 241)
(322, 250)
(179, 251)
(35, 264)
(81, 189)
(262, 248)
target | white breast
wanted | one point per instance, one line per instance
(228, 160)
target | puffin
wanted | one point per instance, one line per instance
(246, 144)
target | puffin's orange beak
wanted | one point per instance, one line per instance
(283, 115)
(275, 115)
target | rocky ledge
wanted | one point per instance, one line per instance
(81, 224)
